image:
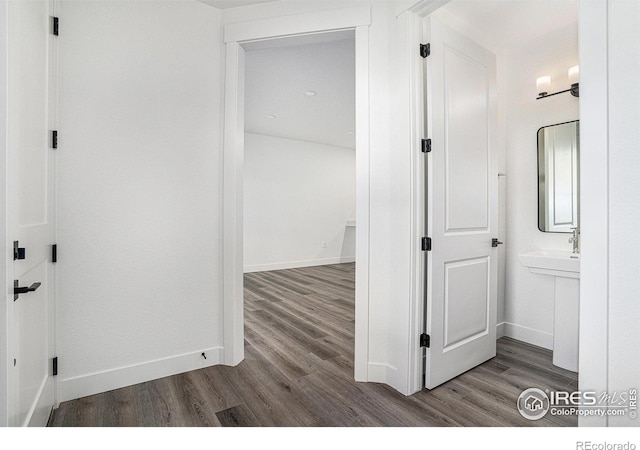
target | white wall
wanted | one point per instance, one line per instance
(297, 196)
(139, 189)
(530, 297)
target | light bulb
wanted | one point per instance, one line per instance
(574, 75)
(543, 84)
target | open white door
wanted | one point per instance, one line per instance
(462, 210)
(30, 213)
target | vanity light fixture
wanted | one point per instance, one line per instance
(544, 83)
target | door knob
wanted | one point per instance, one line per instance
(495, 242)
(17, 289)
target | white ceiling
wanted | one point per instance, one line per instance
(279, 72)
(224, 4)
(501, 23)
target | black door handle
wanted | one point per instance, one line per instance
(495, 242)
(17, 289)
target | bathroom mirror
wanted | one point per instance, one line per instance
(559, 177)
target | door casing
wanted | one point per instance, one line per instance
(235, 36)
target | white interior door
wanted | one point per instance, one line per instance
(30, 212)
(462, 212)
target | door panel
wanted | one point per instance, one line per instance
(466, 301)
(461, 293)
(29, 210)
(466, 144)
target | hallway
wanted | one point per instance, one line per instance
(298, 372)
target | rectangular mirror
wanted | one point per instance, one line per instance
(559, 177)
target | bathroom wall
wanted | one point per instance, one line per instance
(529, 297)
(298, 197)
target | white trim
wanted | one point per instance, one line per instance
(499, 330)
(410, 27)
(381, 372)
(361, 352)
(529, 335)
(414, 101)
(107, 380)
(594, 201)
(426, 7)
(296, 264)
(40, 411)
(422, 7)
(4, 254)
(233, 313)
(358, 19)
(335, 19)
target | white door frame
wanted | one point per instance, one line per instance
(4, 254)
(235, 35)
(411, 22)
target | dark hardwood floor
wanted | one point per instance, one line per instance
(298, 371)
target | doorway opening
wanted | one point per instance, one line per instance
(517, 306)
(241, 38)
(299, 201)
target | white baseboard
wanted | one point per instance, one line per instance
(95, 383)
(38, 415)
(296, 264)
(380, 372)
(528, 335)
(500, 330)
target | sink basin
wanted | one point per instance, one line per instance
(552, 262)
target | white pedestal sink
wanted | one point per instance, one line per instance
(552, 262)
(565, 268)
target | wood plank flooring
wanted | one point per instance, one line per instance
(298, 371)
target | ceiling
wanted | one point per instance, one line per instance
(278, 73)
(225, 4)
(501, 23)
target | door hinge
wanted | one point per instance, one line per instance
(426, 145)
(425, 340)
(18, 252)
(55, 366)
(54, 139)
(55, 25)
(426, 244)
(425, 50)
(54, 253)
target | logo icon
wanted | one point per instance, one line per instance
(533, 404)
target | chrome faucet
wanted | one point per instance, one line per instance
(575, 239)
